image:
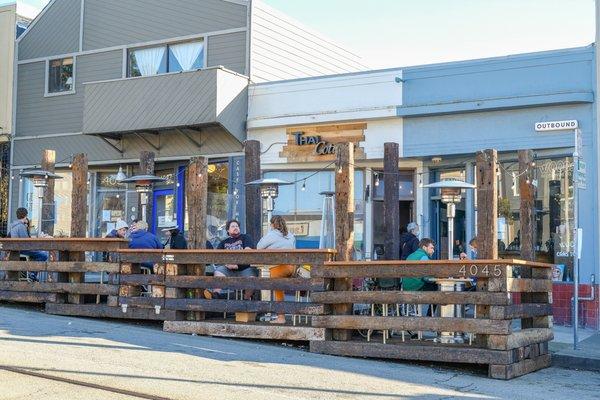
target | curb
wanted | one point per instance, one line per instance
(572, 362)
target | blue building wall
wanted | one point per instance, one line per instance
(461, 107)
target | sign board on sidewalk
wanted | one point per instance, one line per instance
(556, 125)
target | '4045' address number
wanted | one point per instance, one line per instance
(478, 270)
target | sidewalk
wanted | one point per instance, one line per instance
(586, 357)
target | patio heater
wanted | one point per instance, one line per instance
(143, 186)
(327, 234)
(450, 190)
(269, 190)
(40, 180)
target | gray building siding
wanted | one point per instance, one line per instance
(116, 22)
(228, 50)
(39, 115)
(56, 32)
(172, 144)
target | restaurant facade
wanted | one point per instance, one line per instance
(441, 116)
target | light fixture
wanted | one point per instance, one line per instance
(120, 175)
(376, 179)
(269, 190)
(40, 179)
(303, 186)
(143, 185)
(340, 169)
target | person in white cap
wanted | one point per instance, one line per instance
(120, 230)
(176, 239)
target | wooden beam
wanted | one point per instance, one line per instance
(79, 197)
(63, 244)
(487, 204)
(27, 297)
(283, 307)
(253, 199)
(521, 338)
(373, 270)
(397, 297)
(511, 371)
(391, 199)
(104, 311)
(344, 224)
(48, 217)
(216, 282)
(59, 287)
(248, 331)
(196, 197)
(519, 285)
(59, 266)
(527, 208)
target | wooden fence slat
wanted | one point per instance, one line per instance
(209, 282)
(62, 244)
(483, 326)
(137, 279)
(59, 287)
(141, 301)
(28, 297)
(401, 270)
(59, 266)
(244, 306)
(238, 330)
(520, 368)
(399, 297)
(521, 338)
(519, 285)
(449, 354)
(104, 311)
(520, 311)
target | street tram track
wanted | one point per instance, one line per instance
(131, 393)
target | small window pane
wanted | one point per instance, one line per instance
(60, 75)
(186, 56)
(147, 61)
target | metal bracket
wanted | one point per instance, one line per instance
(155, 147)
(114, 146)
(124, 308)
(190, 138)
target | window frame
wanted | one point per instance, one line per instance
(128, 50)
(47, 92)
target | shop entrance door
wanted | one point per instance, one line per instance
(163, 212)
(406, 216)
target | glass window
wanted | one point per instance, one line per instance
(110, 203)
(553, 243)
(60, 75)
(405, 188)
(301, 205)
(177, 57)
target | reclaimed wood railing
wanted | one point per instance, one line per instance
(60, 279)
(510, 337)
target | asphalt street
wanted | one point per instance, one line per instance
(150, 363)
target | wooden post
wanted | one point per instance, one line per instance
(48, 164)
(79, 194)
(196, 195)
(487, 221)
(527, 196)
(391, 198)
(487, 205)
(344, 224)
(253, 199)
(146, 168)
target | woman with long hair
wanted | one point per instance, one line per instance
(279, 237)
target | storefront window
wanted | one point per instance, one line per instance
(110, 203)
(553, 179)
(301, 205)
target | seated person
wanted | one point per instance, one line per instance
(142, 239)
(21, 228)
(278, 237)
(120, 232)
(235, 241)
(423, 253)
(176, 240)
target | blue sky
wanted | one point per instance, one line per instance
(390, 33)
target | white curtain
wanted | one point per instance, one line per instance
(187, 53)
(149, 60)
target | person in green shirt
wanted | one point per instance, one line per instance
(423, 253)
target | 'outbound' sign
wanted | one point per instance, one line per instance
(556, 125)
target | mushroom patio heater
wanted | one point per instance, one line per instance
(143, 185)
(327, 234)
(40, 178)
(269, 190)
(450, 190)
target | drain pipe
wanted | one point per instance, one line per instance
(592, 296)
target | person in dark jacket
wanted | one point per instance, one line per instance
(409, 241)
(120, 230)
(176, 240)
(142, 239)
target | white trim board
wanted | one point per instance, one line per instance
(131, 45)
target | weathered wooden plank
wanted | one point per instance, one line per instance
(412, 352)
(48, 218)
(63, 244)
(521, 338)
(520, 311)
(487, 204)
(104, 311)
(398, 297)
(483, 326)
(391, 196)
(59, 266)
(136, 279)
(413, 269)
(27, 297)
(253, 198)
(245, 330)
(519, 285)
(141, 301)
(60, 287)
(210, 282)
(523, 367)
(479, 262)
(252, 257)
(245, 306)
